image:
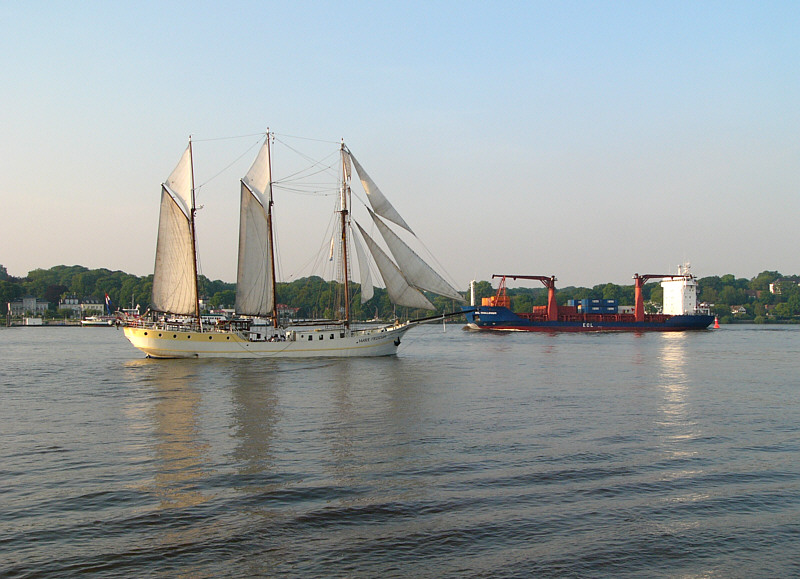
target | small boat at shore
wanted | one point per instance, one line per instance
(680, 311)
(174, 328)
(95, 321)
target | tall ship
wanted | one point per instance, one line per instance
(174, 328)
(680, 311)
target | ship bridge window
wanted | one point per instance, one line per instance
(331, 336)
(310, 337)
(321, 336)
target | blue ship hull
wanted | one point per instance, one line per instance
(501, 319)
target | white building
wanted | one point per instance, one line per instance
(71, 303)
(92, 306)
(28, 304)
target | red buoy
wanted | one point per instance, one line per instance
(716, 323)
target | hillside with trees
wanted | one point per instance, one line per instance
(768, 297)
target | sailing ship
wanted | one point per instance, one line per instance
(174, 328)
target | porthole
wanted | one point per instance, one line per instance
(145, 333)
(188, 336)
(331, 336)
(210, 337)
(159, 335)
(227, 337)
(310, 337)
(174, 335)
(321, 336)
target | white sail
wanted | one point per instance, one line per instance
(258, 177)
(179, 183)
(367, 289)
(254, 273)
(380, 204)
(400, 292)
(414, 268)
(253, 277)
(174, 278)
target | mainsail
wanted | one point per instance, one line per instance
(399, 290)
(380, 204)
(415, 270)
(254, 292)
(175, 275)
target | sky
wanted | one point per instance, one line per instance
(585, 140)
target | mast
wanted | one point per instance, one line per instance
(345, 193)
(271, 234)
(193, 211)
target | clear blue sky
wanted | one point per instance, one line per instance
(590, 140)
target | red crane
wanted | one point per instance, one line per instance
(549, 283)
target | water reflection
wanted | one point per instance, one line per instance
(255, 414)
(180, 457)
(377, 414)
(674, 382)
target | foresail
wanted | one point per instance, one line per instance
(174, 282)
(367, 289)
(400, 292)
(414, 268)
(254, 275)
(380, 204)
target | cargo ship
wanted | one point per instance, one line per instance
(679, 313)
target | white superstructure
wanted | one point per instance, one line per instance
(680, 293)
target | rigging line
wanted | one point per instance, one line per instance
(261, 134)
(308, 193)
(306, 138)
(316, 260)
(314, 162)
(299, 174)
(236, 160)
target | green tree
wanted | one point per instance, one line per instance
(611, 292)
(222, 299)
(761, 281)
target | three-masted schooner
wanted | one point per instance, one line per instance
(174, 327)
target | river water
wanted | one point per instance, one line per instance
(517, 455)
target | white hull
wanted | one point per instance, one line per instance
(159, 342)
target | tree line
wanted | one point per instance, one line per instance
(317, 298)
(314, 297)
